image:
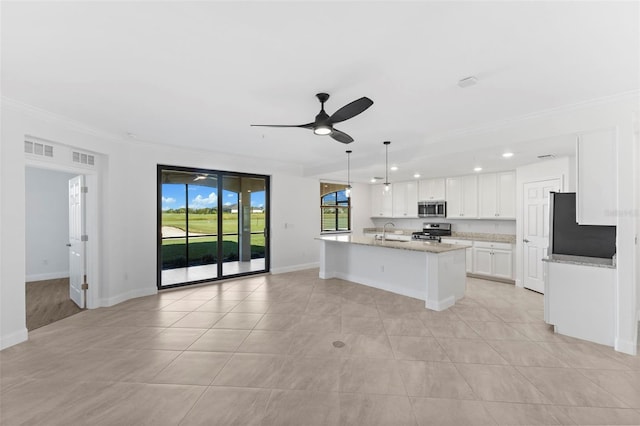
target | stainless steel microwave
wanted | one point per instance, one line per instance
(432, 209)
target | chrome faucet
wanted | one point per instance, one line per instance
(384, 230)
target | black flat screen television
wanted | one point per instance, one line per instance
(578, 240)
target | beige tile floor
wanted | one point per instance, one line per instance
(258, 351)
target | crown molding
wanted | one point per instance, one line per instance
(62, 120)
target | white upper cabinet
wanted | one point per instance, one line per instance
(596, 183)
(381, 201)
(405, 199)
(462, 196)
(431, 189)
(497, 195)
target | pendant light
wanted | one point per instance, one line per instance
(348, 190)
(386, 166)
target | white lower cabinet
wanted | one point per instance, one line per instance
(469, 251)
(482, 261)
(493, 259)
(579, 300)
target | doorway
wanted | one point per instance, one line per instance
(211, 225)
(47, 286)
(536, 230)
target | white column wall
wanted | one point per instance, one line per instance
(360, 208)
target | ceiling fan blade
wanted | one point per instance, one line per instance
(302, 126)
(351, 110)
(341, 136)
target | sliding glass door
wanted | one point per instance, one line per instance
(211, 225)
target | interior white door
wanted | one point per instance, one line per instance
(77, 239)
(536, 231)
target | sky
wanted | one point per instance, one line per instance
(173, 197)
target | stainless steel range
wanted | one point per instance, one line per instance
(432, 232)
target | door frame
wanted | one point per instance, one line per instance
(520, 221)
(220, 175)
(93, 247)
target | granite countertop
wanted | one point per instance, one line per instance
(424, 246)
(581, 260)
(390, 231)
(471, 236)
(490, 238)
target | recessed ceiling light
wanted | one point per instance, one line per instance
(507, 154)
(393, 168)
(416, 175)
(373, 180)
(477, 169)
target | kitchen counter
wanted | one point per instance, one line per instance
(580, 260)
(471, 236)
(479, 236)
(425, 270)
(390, 231)
(424, 246)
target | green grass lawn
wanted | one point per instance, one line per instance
(202, 250)
(208, 223)
(329, 219)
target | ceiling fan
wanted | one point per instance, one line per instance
(323, 125)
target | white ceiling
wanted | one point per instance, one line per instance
(197, 74)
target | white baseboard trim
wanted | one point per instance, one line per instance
(440, 305)
(14, 338)
(128, 295)
(625, 346)
(47, 276)
(294, 268)
(519, 283)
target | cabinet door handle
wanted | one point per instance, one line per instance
(526, 241)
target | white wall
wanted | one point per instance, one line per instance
(127, 205)
(360, 208)
(47, 224)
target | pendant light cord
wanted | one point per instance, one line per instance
(386, 163)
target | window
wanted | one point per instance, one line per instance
(212, 224)
(335, 207)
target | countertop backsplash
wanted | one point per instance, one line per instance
(479, 226)
(478, 230)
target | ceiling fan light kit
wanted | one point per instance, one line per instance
(322, 130)
(323, 124)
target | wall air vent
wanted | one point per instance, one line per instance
(546, 157)
(38, 149)
(82, 158)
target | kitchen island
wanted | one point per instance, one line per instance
(430, 271)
